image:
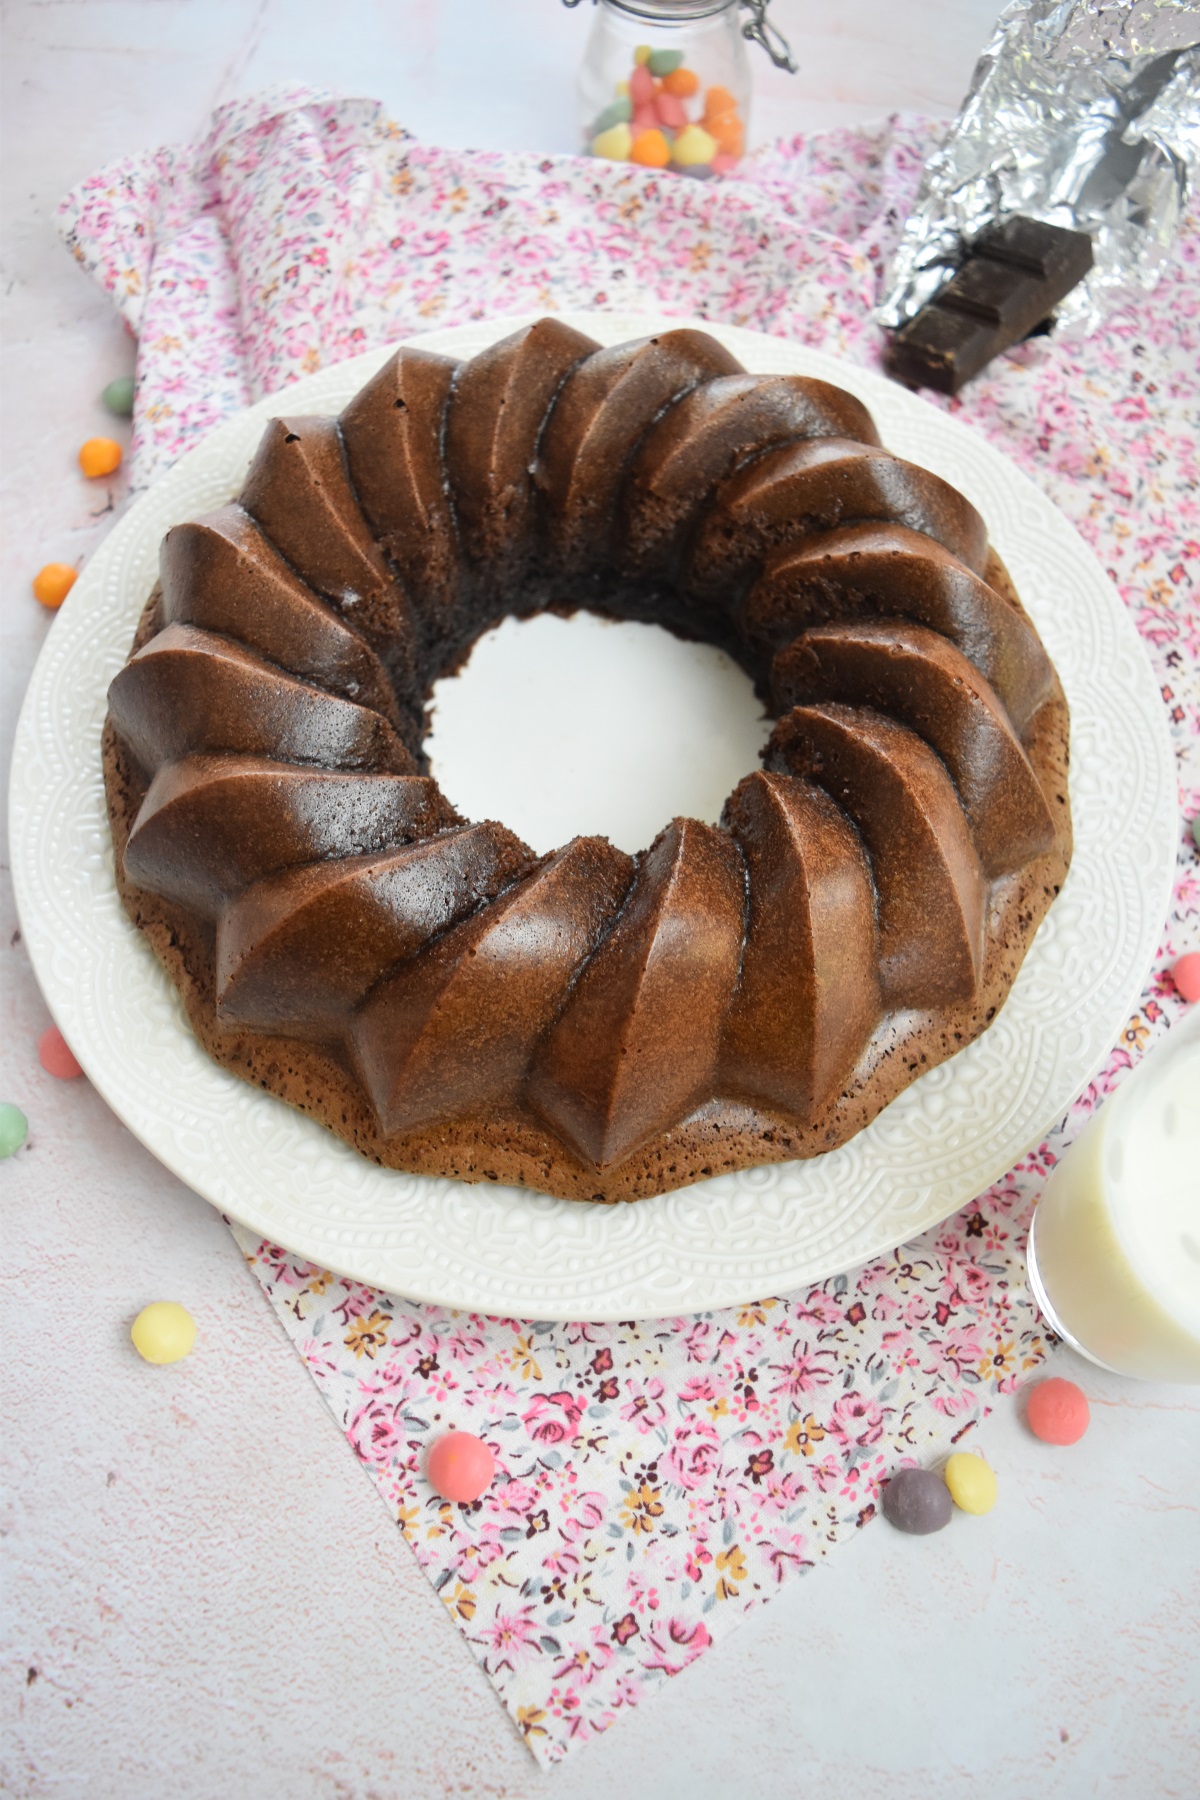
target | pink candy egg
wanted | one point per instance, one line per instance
(460, 1466)
(641, 87)
(724, 164)
(1186, 975)
(1058, 1412)
(644, 119)
(55, 1055)
(670, 112)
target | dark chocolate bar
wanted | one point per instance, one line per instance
(1014, 276)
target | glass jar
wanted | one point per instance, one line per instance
(1114, 1249)
(666, 83)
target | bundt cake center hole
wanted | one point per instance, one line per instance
(562, 727)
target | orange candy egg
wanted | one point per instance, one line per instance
(682, 83)
(650, 148)
(729, 132)
(52, 584)
(719, 100)
(100, 456)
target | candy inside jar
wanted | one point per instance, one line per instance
(665, 84)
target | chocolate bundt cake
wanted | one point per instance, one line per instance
(591, 1024)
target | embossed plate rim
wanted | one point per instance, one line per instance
(507, 1250)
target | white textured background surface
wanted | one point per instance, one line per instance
(202, 1594)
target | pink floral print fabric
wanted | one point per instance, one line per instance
(659, 1479)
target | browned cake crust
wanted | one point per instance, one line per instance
(855, 814)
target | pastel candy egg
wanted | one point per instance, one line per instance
(118, 396)
(621, 89)
(917, 1501)
(723, 164)
(664, 62)
(719, 100)
(99, 456)
(971, 1483)
(651, 149)
(694, 146)
(460, 1466)
(682, 83)
(14, 1128)
(55, 1056)
(728, 130)
(670, 111)
(641, 88)
(53, 583)
(1186, 975)
(641, 55)
(644, 119)
(1057, 1411)
(163, 1332)
(618, 112)
(615, 143)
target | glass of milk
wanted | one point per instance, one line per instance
(1114, 1250)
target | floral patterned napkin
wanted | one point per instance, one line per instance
(657, 1479)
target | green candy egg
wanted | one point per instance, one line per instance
(14, 1128)
(619, 112)
(664, 62)
(118, 396)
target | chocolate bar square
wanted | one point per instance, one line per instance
(941, 349)
(1047, 251)
(990, 291)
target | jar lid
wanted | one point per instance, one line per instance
(756, 29)
(668, 9)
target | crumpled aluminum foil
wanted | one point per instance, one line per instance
(1080, 114)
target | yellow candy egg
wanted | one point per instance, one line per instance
(972, 1484)
(641, 55)
(693, 147)
(622, 90)
(163, 1332)
(615, 143)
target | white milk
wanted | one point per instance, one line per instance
(1114, 1253)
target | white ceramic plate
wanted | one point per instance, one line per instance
(506, 1250)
